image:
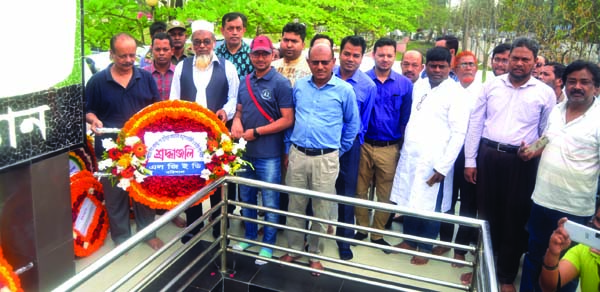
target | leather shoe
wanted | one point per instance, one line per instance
(381, 241)
(359, 236)
(345, 254)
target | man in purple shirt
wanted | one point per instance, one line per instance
(511, 110)
(352, 50)
(161, 68)
(383, 139)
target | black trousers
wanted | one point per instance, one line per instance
(504, 187)
(468, 206)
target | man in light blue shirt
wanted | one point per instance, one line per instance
(327, 122)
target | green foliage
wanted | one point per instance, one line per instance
(336, 18)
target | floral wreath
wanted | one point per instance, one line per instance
(84, 158)
(221, 157)
(8, 278)
(85, 187)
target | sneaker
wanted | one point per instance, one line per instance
(241, 246)
(265, 253)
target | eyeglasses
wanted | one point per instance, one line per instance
(500, 61)
(198, 43)
(467, 65)
(322, 62)
(421, 101)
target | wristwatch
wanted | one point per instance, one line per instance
(256, 134)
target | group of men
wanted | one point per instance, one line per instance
(334, 129)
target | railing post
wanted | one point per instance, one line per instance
(224, 220)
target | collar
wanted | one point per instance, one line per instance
(267, 76)
(531, 82)
(136, 73)
(150, 68)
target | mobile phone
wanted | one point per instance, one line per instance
(583, 234)
(538, 144)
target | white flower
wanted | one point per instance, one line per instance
(207, 158)
(135, 161)
(219, 152)
(123, 184)
(130, 141)
(242, 143)
(108, 143)
(226, 167)
(104, 164)
(139, 177)
(225, 137)
(205, 174)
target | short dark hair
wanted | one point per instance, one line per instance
(156, 26)
(121, 35)
(580, 65)
(557, 68)
(499, 49)
(451, 42)
(527, 43)
(321, 36)
(382, 42)
(163, 36)
(233, 16)
(295, 27)
(439, 54)
(354, 40)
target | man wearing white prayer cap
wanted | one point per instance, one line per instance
(213, 83)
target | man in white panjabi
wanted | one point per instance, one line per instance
(434, 136)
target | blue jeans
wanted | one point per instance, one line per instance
(542, 222)
(267, 170)
(423, 227)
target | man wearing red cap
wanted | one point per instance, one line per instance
(265, 109)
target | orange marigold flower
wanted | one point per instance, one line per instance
(139, 150)
(219, 171)
(212, 144)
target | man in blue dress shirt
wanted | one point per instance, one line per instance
(351, 54)
(327, 122)
(383, 140)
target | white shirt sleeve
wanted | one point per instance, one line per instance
(175, 84)
(234, 83)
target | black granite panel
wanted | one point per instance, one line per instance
(36, 124)
(230, 285)
(283, 278)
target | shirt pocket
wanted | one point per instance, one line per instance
(580, 148)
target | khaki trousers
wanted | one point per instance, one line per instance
(377, 163)
(317, 173)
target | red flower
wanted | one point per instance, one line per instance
(114, 153)
(219, 171)
(127, 149)
(127, 172)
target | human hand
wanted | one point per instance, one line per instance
(222, 115)
(435, 178)
(471, 174)
(237, 130)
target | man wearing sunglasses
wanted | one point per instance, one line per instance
(213, 83)
(327, 122)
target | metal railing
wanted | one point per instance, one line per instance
(484, 276)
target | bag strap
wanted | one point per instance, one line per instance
(260, 109)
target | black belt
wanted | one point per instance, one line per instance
(313, 151)
(382, 143)
(500, 147)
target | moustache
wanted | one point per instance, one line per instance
(577, 91)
